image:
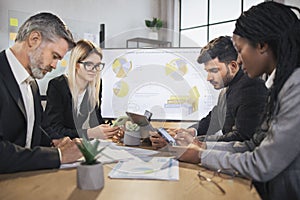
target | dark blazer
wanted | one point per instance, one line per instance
(245, 101)
(59, 113)
(13, 128)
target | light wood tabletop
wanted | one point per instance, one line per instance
(61, 184)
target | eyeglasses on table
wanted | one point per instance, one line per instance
(211, 179)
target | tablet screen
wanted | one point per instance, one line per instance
(140, 120)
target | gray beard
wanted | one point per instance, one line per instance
(37, 73)
(36, 63)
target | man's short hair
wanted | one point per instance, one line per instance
(49, 25)
(221, 48)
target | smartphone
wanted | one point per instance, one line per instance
(148, 114)
(161, 131)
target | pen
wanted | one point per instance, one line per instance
(47, 135)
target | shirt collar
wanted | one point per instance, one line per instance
(237, 77)
(270, 79)
(17, 68)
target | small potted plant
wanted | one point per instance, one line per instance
(120, 121)
(132, 135)
(90, 172)
(155, 24)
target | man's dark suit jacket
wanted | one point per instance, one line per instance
(13, 128)
(59, 113)
(245, 101)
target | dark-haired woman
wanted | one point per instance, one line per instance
(267, 38)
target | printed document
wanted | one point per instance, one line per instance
(159, 168)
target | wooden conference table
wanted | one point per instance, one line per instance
(61, 184)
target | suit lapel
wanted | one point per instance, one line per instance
(11, 83)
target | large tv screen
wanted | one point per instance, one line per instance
(167, 82)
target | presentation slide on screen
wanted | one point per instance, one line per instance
(167, 82)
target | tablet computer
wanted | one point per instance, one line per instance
(140, 120)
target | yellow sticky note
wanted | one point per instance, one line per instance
(13, 22)
(12, 36)
(63, 63)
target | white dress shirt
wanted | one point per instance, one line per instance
(23, 79)
(269, 81)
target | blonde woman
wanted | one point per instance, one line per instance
(73, 99)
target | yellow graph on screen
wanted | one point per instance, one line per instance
(121, 67)
(176, 69)
(121, 89)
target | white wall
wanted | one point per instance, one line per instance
(292, 2)
(295, 3)
(119, 16)
(124, 19)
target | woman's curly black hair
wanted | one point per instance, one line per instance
(278, 26)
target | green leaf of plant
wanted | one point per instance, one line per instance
(159, 24)
(89, 150)
(148, 23)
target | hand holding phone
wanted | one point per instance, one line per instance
(167, 136)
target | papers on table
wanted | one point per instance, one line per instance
(114, 153)
(160, 168)
(135, 163)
